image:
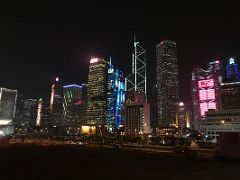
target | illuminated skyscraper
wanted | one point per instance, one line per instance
(97, 92)
(74, 105)
(56, 103)
(230, 95)
(232, 71)
(8, 98)
(167, 82)
(115, 98)
(39, 112)
(137, 80)
(205, 91)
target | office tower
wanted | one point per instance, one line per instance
(19, 115)
(8, 98)
(232, 71)
(230, 95)
(30, 113)
(97, 92)
(183, 116)
(115, 98)
(205, 91)
(137, 110)
(74, 105)
(26, 113)
(56, 103)
(167, 82)
(137, 80)
(137, 114)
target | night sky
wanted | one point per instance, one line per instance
(39, 41)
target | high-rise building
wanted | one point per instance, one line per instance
(39, 112)
(74, 105)
(26, 113)
(97, 92)
(183, 116)
(137, 80)
(137, 110)
(30, 113)
(232, 71)
(56, 103)
(19, 115)
(115, 98)
(205, 91)
(8, 98)
(230, 95)
(167, 82)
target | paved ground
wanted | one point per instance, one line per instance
(80, 162)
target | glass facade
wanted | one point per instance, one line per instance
(74, 105)
(167, 82)
(8, 99)
(97, 92)
(115, 98)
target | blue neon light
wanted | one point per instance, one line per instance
(72, 85)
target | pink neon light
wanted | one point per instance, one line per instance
(94, 60)
(207, 94)
(203, 108)
(205, 83)
(162, 42)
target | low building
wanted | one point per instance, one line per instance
(217, 122)
(137, 114)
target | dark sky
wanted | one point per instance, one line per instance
(39, 41)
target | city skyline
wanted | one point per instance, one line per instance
(44, 41)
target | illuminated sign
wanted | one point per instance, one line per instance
(205, 83)
(94, 60)
(207, 95)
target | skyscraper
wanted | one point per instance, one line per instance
(137, 80)
(205, 91)
(74, 105)
(232, 71)
(56, 103)
(97, 92)
(8, 98)
(167, 82)
(115, 98)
